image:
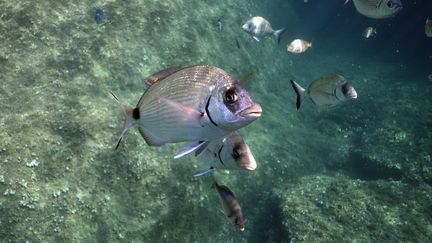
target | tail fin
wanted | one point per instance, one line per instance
(277, 34)
(299, 91)
(129, 119)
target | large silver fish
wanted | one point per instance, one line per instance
(328, 90)
(377, 9)
(259, 27)
(229, 153)
(195, 103)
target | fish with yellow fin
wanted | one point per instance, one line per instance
(328, 90)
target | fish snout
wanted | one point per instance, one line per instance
(253, 112)
(245, 27)
(352, 93)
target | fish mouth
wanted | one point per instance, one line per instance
(252, 112)
(353, 94)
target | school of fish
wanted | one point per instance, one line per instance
(204, 106)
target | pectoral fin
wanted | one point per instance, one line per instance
(187, 114)
(199, 146)
(204, 171)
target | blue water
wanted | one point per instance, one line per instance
(357, 171)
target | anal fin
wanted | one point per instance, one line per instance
(150, 139)
(204, 171)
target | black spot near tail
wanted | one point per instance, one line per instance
(136, 114)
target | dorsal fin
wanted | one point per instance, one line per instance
(156, 77)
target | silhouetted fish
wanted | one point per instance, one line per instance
(99, 14)
(231, 205)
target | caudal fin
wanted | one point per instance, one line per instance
(129, 119)
(277, 34)
(299, 91)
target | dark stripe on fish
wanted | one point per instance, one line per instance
(334, 93)
(208, 112)
(379, 4)
(219, 155)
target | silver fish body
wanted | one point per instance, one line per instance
(195, 103)
(328, 90)
(259, 27)
(428, 28)
(298, 46)
(229, 153)
(369, 32)
(377, 9)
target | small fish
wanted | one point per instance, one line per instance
(259, 27)
(298, 46)
(237, 43)
(231, 205)
(369, 32)
(328, 90)
(99, 15)
(229, 153)
(377, 9)
(219, 24)
(428, 28)
(194, 103)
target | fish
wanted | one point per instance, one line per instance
(428, 28)
(229, 153)
(99, 15)
(196, 104)
(328, 90)
(298, 46)
(377, 9)
(369, 32)
(259, 27)
(219, 24)
(237, 43)
(231, 205)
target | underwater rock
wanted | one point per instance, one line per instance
(337, 209)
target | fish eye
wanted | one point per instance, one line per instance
(390, 4)
(236, 154)
(231, 96)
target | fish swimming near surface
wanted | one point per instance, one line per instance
(377, 9)
(298, 46)
(194, 103)
(99, 15)
(229, 153)
(328, 90)
(428, 28)
(369, 32)
(259, 27)
(231, 204)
